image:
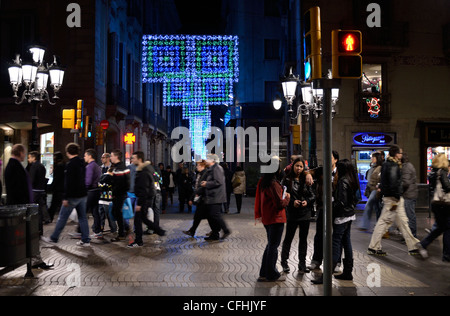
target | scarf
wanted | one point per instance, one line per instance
(399, 163)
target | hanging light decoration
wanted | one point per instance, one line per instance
(196, 72)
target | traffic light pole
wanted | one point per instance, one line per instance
(327, 85)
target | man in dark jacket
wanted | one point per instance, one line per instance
(19, 190)
(145, 190)
(393, 205)
(17, 179)
(215, 196)
(75, 196)
(120, 186)
(39, 184)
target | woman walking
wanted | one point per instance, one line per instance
(372, 192)
(298, 214)
(270, 209)
(238, 183)
(440, 207)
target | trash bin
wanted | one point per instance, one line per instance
(32, 230)
(12, 235)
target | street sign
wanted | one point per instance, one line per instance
(104, 124)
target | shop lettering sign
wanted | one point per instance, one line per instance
(372, 139)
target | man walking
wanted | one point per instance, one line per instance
(393, 205)
(19, 191)
(75, 196)
(120, 186)
(93, 173)
(215, 197)
(145, 190)
(39, 184)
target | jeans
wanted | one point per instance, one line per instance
(92, 206)
(80, 205)
(117, 213)
(318, 239)
(139, 218)
(442, 226)
(291, 228)
(103, 210)
(410, 209)
(269, 262)
(373, 204)
(387, 218)
(342, 240)
(238, 202)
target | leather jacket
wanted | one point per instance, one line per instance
(345, 199)
(391, 179)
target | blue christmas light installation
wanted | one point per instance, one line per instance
(196, 72)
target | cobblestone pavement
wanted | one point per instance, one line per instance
(182, 266)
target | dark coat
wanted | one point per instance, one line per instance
(345, 199)
(144, 185)
(391, 179)
(216, 191)
(37, 175)
(18, 183)
(299, 191)
(74, 179)
(120, 180)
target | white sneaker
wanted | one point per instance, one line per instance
(48, 240)
(423, 252)
(83, 244)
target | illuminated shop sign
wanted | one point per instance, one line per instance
(373, 139)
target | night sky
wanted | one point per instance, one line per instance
(199, 17)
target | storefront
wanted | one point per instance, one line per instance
(435, 139)
(363, 145)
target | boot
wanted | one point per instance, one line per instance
(348, 268)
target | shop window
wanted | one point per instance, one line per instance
(47, 149)
(373, 100)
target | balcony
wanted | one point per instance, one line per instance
(117, 100)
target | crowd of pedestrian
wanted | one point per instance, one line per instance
(288, 196)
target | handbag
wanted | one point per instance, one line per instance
(439, 194)
(127, 209)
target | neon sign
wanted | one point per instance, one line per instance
(372, 139)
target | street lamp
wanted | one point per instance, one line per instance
(34, 77)
(289, 84)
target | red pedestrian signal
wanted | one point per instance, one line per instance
(346, 50)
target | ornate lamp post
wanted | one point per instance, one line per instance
(33, 76)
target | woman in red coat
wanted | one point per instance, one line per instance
(270, 209)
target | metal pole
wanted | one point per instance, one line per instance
(327, 192)
(312, 139)
(34, 144)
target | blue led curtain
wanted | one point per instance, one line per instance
(196, 72)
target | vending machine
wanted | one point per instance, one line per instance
(364, 145)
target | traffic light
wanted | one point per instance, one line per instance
(68, 119)
(346, 50)
(296, 134)
(79, 124)
(99, 141)
(312, 45)
(87, 127)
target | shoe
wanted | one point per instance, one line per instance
(225, 235)
(48, 240)
(414, 252)
(445, 259)
(97, 236)
(118, 238)
(43, 266)
(161, 232)
(285, 267)
(209, 238)
(281, 278)
(386, 235)
(75, 235)
(302, 269)
(374, 252)
(189, 233)
(423, 252)
(83, 244)
(347, 276)
(314, 266)
(135, 245)
(262, 279)
(319, 280)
